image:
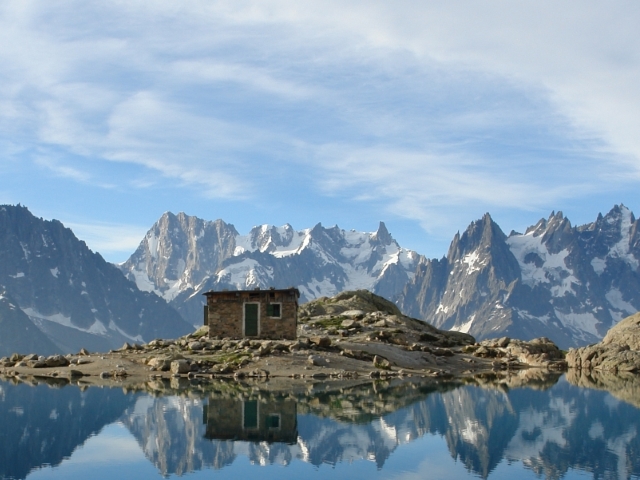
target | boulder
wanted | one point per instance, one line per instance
(180, 367)
(160, 363)
(619, 350)
(56, 361)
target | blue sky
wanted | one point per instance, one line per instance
(424, 115)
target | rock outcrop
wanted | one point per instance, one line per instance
(619, 351)
(354, 334)
(510, 353)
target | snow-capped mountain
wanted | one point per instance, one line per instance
(183, 256)
(71, 294)
(570, 284)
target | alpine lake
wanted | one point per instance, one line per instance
(530, 425)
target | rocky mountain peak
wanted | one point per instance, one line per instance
(382, 235)
(478, 237)
(267, 238)
(71, 294)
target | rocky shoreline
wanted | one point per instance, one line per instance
(354, 335)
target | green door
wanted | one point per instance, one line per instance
(250, 414)
(251, 319)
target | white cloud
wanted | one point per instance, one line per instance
(432, 108)
(435, 188)
(112, 239)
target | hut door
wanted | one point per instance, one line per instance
(251, 319)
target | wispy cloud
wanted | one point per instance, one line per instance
(431, 110)
(110, 239)
(64, 170)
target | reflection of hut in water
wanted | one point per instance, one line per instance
(251, 419)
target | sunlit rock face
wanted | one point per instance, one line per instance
(568, 283)
(72, 294)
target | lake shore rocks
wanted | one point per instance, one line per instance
(352, 335)
(619, 350)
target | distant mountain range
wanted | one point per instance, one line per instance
(182, 256)
(72, 295)
(568, 283)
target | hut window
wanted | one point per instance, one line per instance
(274, 310)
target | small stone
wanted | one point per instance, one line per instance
(317, 360)
(381, 362)
(348, 323)
(196, 346)
(320, 341)
(56, 361)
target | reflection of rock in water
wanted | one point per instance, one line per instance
(41, 425)
(625, 386)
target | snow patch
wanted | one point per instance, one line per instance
(143, 282)
(599, 265)
(318, 288)
(581, 321)
(614, 297)
(465, 327)
(442, 308)
(97, 328)
(114, 327)
(553, 266)
(474, 264)
(152, 244)
(565, 286)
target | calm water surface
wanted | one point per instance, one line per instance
(410, 430)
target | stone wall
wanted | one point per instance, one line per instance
(226, 313)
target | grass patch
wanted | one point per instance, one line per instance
(334, 322)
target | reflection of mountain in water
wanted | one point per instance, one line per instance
(550, 430)
(42, 425)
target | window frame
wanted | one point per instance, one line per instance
(270, 310)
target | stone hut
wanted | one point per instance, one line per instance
(252, 419)
(268, 314)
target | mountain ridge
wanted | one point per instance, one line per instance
(71, 293)
(568, 283)
(173, 262)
